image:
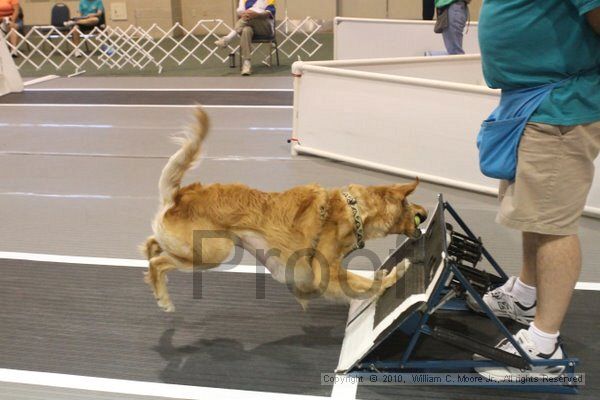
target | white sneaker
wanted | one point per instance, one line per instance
(69, 23)
(78, 53)
(222, 43)
(246, 68)
(504, 374)
(504, 304)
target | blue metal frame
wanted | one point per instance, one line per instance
(451, 268)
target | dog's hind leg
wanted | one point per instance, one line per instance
(156, 277)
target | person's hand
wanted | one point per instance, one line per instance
(250, 14)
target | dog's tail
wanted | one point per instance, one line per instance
(182, 160)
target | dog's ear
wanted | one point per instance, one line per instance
(407, 189)
(398, 193)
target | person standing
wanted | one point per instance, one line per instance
(549, 50)
(452, 18)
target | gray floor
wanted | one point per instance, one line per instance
(82, 181)
(19, 391)
(271, 82)
(103, 321)
(150, 97)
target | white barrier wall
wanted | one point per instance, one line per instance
(403, 121)
(10, 79)
(380, 38)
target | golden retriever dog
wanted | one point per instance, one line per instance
(301, 235)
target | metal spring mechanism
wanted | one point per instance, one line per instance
(464, 249)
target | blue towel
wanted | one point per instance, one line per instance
(500, 134)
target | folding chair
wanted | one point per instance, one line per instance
(272, 41)
(60, 14)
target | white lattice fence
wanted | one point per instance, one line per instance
(153, 47)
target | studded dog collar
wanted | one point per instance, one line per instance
(358, 223)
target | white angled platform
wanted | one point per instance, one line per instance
(10, 79)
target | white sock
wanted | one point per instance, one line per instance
(545, 342)
(230, 36)
(524, 293)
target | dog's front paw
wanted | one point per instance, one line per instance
(391, 278)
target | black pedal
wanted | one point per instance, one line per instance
(463, 248)
(481, 281)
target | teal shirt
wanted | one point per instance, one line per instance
(443, 3)
(87, 7)
(528, 43)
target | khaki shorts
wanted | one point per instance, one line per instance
(554, 174)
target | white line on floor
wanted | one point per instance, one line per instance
(344, 389)
(154, 90)
(53, 258)
(130, 262)
(142, 105)
(587, 286)
(136, 263)
(116, 262)
(136, 127)
(146, 156)
(39, 80)
(76, 196)
(63, 196)
(139, 388)
(76, 73)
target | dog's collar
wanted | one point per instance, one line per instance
(358, 223)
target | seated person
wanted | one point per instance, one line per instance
(92, 15)
(11, 21)
(256, 17)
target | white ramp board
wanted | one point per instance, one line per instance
(370, 322)
(10, 79)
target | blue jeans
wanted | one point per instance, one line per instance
(453, 34)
